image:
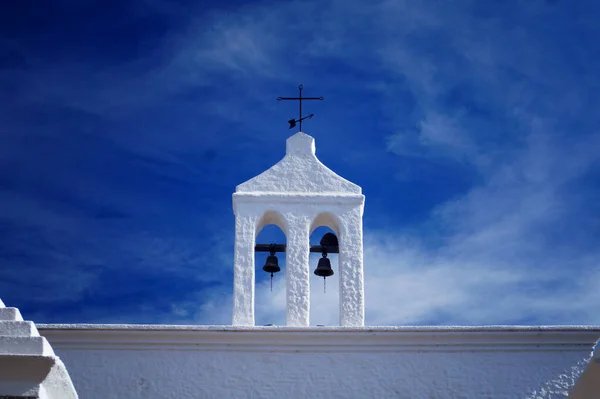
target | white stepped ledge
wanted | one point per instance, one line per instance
(43, 377)
(18, 328)
(28, 366)
(10, 314)
(25, 346)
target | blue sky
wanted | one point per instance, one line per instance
(472, 127)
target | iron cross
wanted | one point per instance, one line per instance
(293, 122)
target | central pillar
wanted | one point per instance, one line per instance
(297, 272)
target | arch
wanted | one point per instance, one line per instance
(270, 303)
(326, 219)
(271, 217)
(324, 307)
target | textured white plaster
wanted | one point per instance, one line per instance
(351, 277)
(299, 194)
(418, 363)
(243, 270)
(297, 269)
(488, 332)
(18, 328)
(58, 384)
(11, 314)
(299, 172)
(25, 346)
(28, 365)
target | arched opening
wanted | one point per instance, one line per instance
(269, 306)
(324, 303)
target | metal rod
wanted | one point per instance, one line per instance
(282, 248)
(298, 98)
(300, 117)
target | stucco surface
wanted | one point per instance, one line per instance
(299, 172)
(352, 363)
(179, 374)
(28, 365)
(298, 194)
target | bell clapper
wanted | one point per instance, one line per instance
(324, 285)
(271, 282)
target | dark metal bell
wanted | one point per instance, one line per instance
(272, 264)
(324, 267)
(329, 240)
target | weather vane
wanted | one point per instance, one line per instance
(293, 122)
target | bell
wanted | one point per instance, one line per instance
(272, 264)
(324, 267)
(329, 240)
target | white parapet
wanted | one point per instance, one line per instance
(29, 367)
(189, 362)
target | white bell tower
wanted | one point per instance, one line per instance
(299, 194)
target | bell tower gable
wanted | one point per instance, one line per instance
(300, 171)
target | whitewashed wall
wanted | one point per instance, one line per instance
(299, 194)
(181, 362)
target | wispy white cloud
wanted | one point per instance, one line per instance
(456, 82)
(408, 284)
(507, 250)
